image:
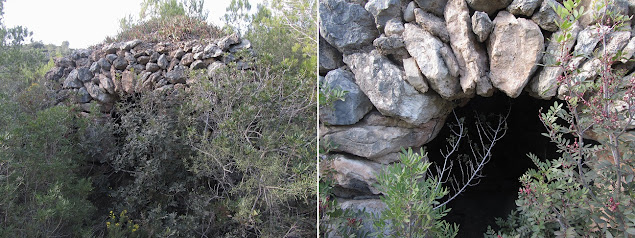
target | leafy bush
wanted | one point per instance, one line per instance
(588, 191)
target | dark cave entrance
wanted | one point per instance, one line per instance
(496, 193)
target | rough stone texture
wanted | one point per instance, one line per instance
(106, 84)
(376, 136)
(433, 24)
(432, 6)
(628, 51)
(128, 81)
(546, 17)
(470, 55)
(383, 11)
(435, 60)
(198, 64)
(588, 38)
(616, 41)
(414, 76)
(353, 173)
(489, 6)
(394, 27)
(330, 58)
(355, 104)
(373, 206)
(163, 62)
(227, 42)
(64, 62)
(99, 95)
(187, 59)
(392, 45)
(545, 84)
(72, 80)
(482, 26)
(515, 47)
(84, 74)
(408, 12)
(523, 7)
(177, 75)
(120, 63)
(83, 95)
(152, 67)
(383, 83)
(346, 26)
(590, 6)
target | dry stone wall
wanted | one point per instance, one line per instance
(407, 64)
(104, 73)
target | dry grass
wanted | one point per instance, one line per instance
(178, 28)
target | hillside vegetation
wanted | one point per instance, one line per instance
(230, 156)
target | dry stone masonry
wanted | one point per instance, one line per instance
(408, 64)
(106, 72)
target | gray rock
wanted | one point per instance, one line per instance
(197, 48)
(163, 62)
(99, 95)
(355, 104)
(370, 206)
(82, 62)
(383, 11)
(104, 64)
(592, 7)
(470, 56)
(84, 74)
(173, 62)
(434, 25)
(177, 75)
(394, 27)
(187, 59)
(54, 74)
(383, 83)
(212, 51)
(130, 58)
(628, 51)
(433, 6)
(489, 6)
(72, 80)
(545, 84)
(154, 57)
(414, 76)
(615, 42)
(408, 12)
(523, 7)
(83, 95)
(329, 57)
(64, 62)
(94, 68)
(376, 136)
(228, 41)
(111, 58)
(111, 48)
(120, 63)
(346, 26)
(152, 67)
(392, 45)
(106, 84)
(199, 64)
(213, 68)
(546, 17)
(178, 54)
(586, 42)
(244, 44)
(199, 55)
(482, 26)
(435, 60)
(128, 81)
(353, 173)
(513, 40)
(130, 44)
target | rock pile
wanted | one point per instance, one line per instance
(106, 72)
(407, 64)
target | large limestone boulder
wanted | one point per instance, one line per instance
(355, 104)
(380, 138)
(546, 17)
(545, 84)
(346, 26)
(384, 11)
(435, 60)
(432, 6)
(489, 6)
(384, 84)
(515, 48)
(470, 55)
(355, 174)
(523, 7)
(433, 24)
(330, 58)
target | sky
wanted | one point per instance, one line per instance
(84, 22)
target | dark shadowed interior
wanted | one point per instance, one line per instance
(494, 196)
